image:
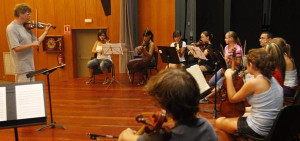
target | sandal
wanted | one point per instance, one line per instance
(106, 81)
(90, 80)
(141, 83)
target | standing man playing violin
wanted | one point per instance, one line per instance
(21, 42)
(176, 91)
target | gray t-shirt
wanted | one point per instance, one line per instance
(202, 130)
(18, 35)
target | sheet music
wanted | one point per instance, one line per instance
(30, 101)
(3, 112)
(199, 77)
(196, 51)
(110, 48)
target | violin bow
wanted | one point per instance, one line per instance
(244, 55)
(36, 25)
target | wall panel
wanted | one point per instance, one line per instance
(60, 13)
(159, 16)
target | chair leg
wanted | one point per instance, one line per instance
(132, 80)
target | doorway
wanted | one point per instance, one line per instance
(84, 42)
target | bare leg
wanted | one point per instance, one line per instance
(91, 77)
(228, 125)
(105, 71)
(90, 72)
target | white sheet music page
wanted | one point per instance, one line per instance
(3, 112)
(199, 77)
(112, 48)
(197, 53)
(30, 101)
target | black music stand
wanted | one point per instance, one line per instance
(168, 55)
(47, 72)
(219, 60)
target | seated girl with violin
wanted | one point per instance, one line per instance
(233, 47)
(206, 46)
(102, 60)
(180, 48)
(262, 92)
(180, 101)
(146, 49)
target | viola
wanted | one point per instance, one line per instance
(227, 108)
(32, 24)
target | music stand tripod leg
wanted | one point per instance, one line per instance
(52, 124)
(16, 134)
(113, 79)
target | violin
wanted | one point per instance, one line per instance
(202, 45)
(178, 46)
(32, 24)
(227, 108)
(145, 45)
(157, 120)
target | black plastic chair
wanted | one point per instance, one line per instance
(153, 65)
(154, 62)
(285, 126)
(292, 100)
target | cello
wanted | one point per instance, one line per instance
(227, 108)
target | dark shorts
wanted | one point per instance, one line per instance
(245, 129)
(288, 91)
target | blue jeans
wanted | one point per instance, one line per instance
(99, 63)
(220, 79)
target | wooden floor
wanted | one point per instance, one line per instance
(93, 109)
